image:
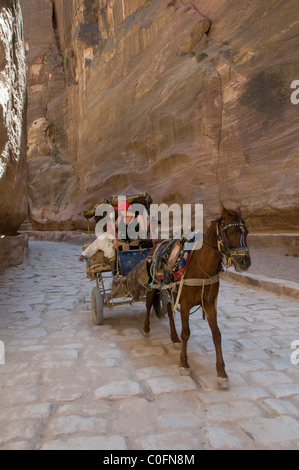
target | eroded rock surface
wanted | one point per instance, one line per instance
(13, 172)
(187, 101)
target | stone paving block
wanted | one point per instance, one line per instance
(285, 390)
(221, 438)
(27, 323)
(20, 429)
(66, 304)
(90, 408)
(236, 379)
(63, 392)
(32, 333)
(251, 393)
(170, 384)
(106, 362)
(17, 445)
(283, 365)
(118, 390)
(231, 411)
(180, 440)
(253, 354)
(133, 416)
(280, 353)
(131, 331)
(147, 351)
(179, 402)
(179, 421)
(101, 375)
(264, 431)
(13, 368)
(267, 377)
(22, 379)
(38, 410)
(22, 395)
(55, 355)
(103, 352)
(87, 443)
(280, 407)
(151, 372)
(77, 424)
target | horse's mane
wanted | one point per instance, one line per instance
(210, 235)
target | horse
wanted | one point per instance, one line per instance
(226, 239)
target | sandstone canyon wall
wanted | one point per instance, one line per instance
(13, 170)
(187, 100)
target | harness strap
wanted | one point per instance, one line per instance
(165, 286)
(189, 282)
(175, 306)
(201, 282)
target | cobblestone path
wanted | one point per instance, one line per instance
(68, 384)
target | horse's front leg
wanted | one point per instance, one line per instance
(185, 335)
(211, 314)
(149, 303)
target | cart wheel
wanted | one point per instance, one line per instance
(97, 306)
(163, 303)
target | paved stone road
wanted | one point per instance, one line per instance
(68, 384)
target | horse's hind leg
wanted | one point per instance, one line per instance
(173, 333)
(149, 303)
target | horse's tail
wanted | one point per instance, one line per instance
(157, 304)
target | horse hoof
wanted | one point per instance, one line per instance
(146, 335)
(184, 371)
(223, 383)
(177, 346)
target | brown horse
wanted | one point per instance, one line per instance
(225, 238)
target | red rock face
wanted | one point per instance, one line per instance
(190, 103)
(13, 171)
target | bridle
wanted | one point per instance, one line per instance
(224, 250)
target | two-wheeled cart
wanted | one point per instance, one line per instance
(109, 275)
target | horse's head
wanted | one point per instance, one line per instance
(232, 239)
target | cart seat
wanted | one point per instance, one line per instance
(128, 245)
(130, 259)
(96, 264)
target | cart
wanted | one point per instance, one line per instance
(109, 277)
